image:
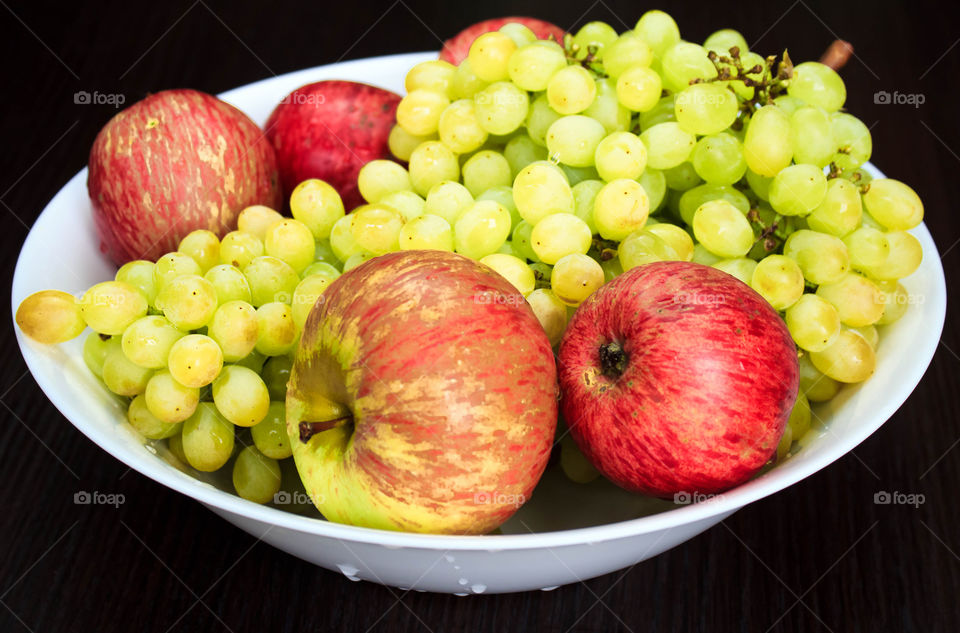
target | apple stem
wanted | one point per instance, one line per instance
(309, 429)
(613, 359)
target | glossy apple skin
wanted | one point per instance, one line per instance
(451, 383)
(456, 48)
(329, 130)
(710, 379)
(174, 162)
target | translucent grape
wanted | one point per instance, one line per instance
(229, 283)
(814, 384)
(766, 146)
(484, 170)
(893, 204)
(203, 246)
(376, 228)
(740, 267)
(674, 236)
(342, 242)
(169, 400)
(620, 208)
(683, 62)
(558, 235)
(481, 229)
(683, 177)
(256, 477)
(531, 66)
(306, 294)
(520, 239)
(208, 438)
(573, 140)
(858, 300)
(840, 211)
(541, 189)
(447, 200)
(607, 109)
(779, 280)
(811, 136)
(430, 163)
(823, 258)
(147, 424)
(520, 151)
(639, 88)
(620, 155)
(693, 199)
(658, 30)
(707, 108)
(627, 51)
(379, 178)
(904, 258)
(503, 195)
(718, 159)
(402, 143)
(723, 229)
(798, 190)
(428, 232)
(195, 360)
(578, 174)
(355, 260)
(819, 85)
(849, 358)
(668, 145)
(571, 90)
(490, 55)
(317, 205)
(459, 127)
(519, 33)
(271, 279)
(723, 40)
(512, 269)
(140, 274)
(241, 395)
(853, 140)
(896, 300)
(663, 112)
(868, 247)
(434, 75)
(270, 434)
(655, 184)
(539, 119)
(277, 331)
(122, 376)
(596, 36)
(276, 375)
(759, 185)
(584, 195)
(813, 322)
(188, 301)
(107, 307)
(502, 107)
(292, 242)
(235, 329)
(642, 248)
(95, 350)
(51, 316)
(419, 111)
(148, 340)
(575, 277)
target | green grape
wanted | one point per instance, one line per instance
(175, 446)
(207, 438)
(840, 211)
(402, 144)
(428, 232)
(674, 236)
(108, 308)
(277, 330)
(291, 241)
(501, 108)
(139, 274)
(169, 400)
(430, 163)
(407, 203)
(818, 85)
(584, 195)
(571, 90)
(639, 88)
(270, 434)
(521, 151)
(813, 322)
(490, 55)
(271, 279)
(147, 424)
(869, 333)
(849, 358)
(541, 189)
(627, 51)
(822, 257)
(683, 62)
(893, 204)
(276, 375)
(740, 267)
(307, 292)
(693, 199)
(799, 421)
(519, 33)
(459, 128)
(203, 246)
(380, 178)
(723, 40)
(512, 269)
(253, 361)
(122, 376)
(790, 104)
(241, 395)
(718, 159)
(235, 329)
(503, 195)
(316, 204)
(858, 300)
(95, 350)
(575, 277)
(668, 145)
(723, 229)
(759, 185)
(611, 269)
(814, 384)
(620, 208)
(539, 119)
(779, 280)
(706, 108)
(481, 229)
(531, 66)
(256, 477)
(419, 112)
(868, 247)
(578, 174)
(148, 340)
(904, 258)
(195, 360)
(895, 302)
(854, 143)
(642, 247)
(558, 235)
(521, 240)
(173, 265)
(466, 83)
(188, 301)
(683, 177)
(573, 140)
(434, 75)
(447, 199)
(655, 184)
(596, 35)
(607, 109)
(237, 249)
(376, 228)
(355, 260)
(320, 267)
(484, 170)
(798, 190)
(620, 155)
(658, 30)
(811, 136)
(663, 112)
(766, 146)
(229, 283)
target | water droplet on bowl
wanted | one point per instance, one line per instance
(461, 594)
(549, 588)
(463, 581)
(478, 588)
(349, 571)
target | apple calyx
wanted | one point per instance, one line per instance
(309, 429)
(613, 360)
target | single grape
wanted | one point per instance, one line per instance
(668, 145)
(169, 400)
(718, 159)
(432, 162)
(593, 37)
(503, 195)
(573, 140)
(893, 204)
(435, 75)
(253, 361)
(459, 127)
(822, 257)
(559, 235)
(682, 178)
(798, 190)
(541, 189)
(677, 238)
(238, 249)
(858, 300)
(466, 83)
(639, 88)
(571, 90)
(655, 184)
(379, 178)
(814, 384)
(813, 322)
(723, 40)
(896, 300)
(484, 170)
(575, 277)
(723, 229)
(52, 316)
(766, 146)
(241, 395)
(607, 109)
(620, 208)
(869, 333)
(107, 307)
(355, 260)
(195, 360)
(642, 247)
(229, 283)
(707, 108)
(663, 112)
(95, 349)
(428, 232)
(868, 247)
(306, 294)
(584, 195)
(659, 30)
(448, 199)
(905, 256)
(627, 51)
(531, 66)
(276, 375)
(849, 358)
(407, 203)
(519, 33)
(270, 434)
(376, 228)
(840, 211)
(811, 136)
(147, 424)
(277, 329)
(207, 438)
(320, 268)
(235, 329)
(203, 246)
(139, 274)
(122, 376)
(402, 144)
(853, 141)
(620, 155)
(291, 241)
(740, 267)
(419, 112)
(683, 62)
(256, 219)
(256, 477)
(271, 279)
(501, 108)
(779, 280)
(188, 301)
(521, 240)
(520, 151)
(759, 185)
(481, 229)
(693, 199)
(818, 85)
(148, 340)
(490, 55)
(512, 269)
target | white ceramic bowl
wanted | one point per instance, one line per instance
(566, 533)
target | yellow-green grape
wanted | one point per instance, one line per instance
(466, 83)
(147, 424)
(596, 35)
(574, 463)
(355, 260)
(798, 190)
(840, 211)
(169, 400)
(502, 107)
(800, 417)
(253, 361)
(663, 112)
(520, 239)
(95, 350)
(407, 203)
(620, 208)
(380, 178)
(447, 199)
(434, 75)
(481, 229)
(573, 140)
(277, 329)
(203, 246)
(759, 185)
(723, 40)
(558, 235)
(484, 170)
(175, 264)
(108, 308)
(718, 159)
(896, 300)
(175, 446)
(858, 300)
(490, 55)
(541, 189)
(241, 395)
(693, 199)
(849, 358)
(868, 247)
(503, 194)
(419, 111)
(571, 90)
(235, 329)
(195, 360)
(677, 238)
(819, 85)
(229, 283)
(893, 204)
(402, 143)
(785, 443)
(611, 268)
(432, 162)
(814, 384)
(519, 33)
(723, 229)
(322, 266)
(620, 155)
(668, 145)
(853, 141)
(868, 332)
(514, 270)
(237, 249)
(655, 184)
(520, 151)
(822, 257)
(607, 109)
(256, 477)
(577, 175)
(707, 108)
(659, 30)
(789, 104)
(779, 280)
(428, 232)
(342, 242)
(550, 311)
(306, 294)
(575, 277)
(376, 228)
(276, 374)
(683, 177)
(641, 248)
(813, 322)
(531, 66)
(811, 136)
(139, 274)
(256, 219)
(539, 119)
(584, 195)
(766, 146)
(683, 62)
(188, 301)
(148, 340)
(51, 316)
(740, 267)
(207, 438)
(271, 279)
(459, 128)
(270, 434)
(122, 376)
(291, 241)
(625, 52)
(318, 205)
(639, 88)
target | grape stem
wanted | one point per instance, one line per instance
(767, 233)
(589, 61)
(768, 87)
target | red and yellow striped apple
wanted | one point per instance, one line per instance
(677, 378)
(423, 396)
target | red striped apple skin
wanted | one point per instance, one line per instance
(710, 379)
(456, 48)
(177, 161)
(451, 382)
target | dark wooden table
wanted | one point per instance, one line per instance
(818, 556)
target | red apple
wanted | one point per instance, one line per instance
(423, 396)
(456, 48)
(677, 378)
(174, 162)
(329, 130)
